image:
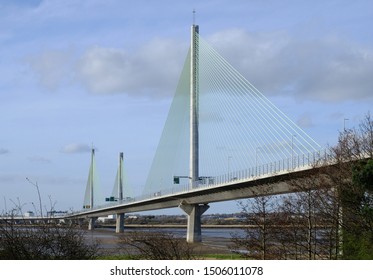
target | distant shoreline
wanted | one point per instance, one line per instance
(171, 226)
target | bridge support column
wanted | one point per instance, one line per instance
(194, 212)
(91, 223)
(119, 227)
(80, 222)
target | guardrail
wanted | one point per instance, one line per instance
(292, 164)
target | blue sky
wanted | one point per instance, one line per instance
(79, 72)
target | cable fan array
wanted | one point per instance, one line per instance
(240, 130)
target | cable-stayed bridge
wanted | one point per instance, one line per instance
(222, 140)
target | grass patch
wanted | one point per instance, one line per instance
(198, 257)
(116, 257)
(221, 257)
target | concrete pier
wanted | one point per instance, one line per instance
(119, 227)
(194, 212)
(92, 223)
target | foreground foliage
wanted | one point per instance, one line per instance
(156, 246)
(330, 213)
(44, 242)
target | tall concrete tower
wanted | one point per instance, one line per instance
(119, 228)
(194, 115)
(120, 178)
(91, 180)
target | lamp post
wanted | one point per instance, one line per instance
(292, 151)
(229, 167)
(37, 188)
(257, 160)
(344, 124)
(256, 155)
(6, 210)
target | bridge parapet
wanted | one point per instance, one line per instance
(287, 166)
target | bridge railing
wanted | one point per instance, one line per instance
(293, 164)
(288, 165)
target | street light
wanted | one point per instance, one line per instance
(344, 124)
(256, 155)
(229, 166)
(6, 210)
(292, 151)
(256, 159)
(37, 188)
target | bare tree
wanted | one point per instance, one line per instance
(259, 240)
(351, 176)
(22, 240)
(330, 213)
(310, 223)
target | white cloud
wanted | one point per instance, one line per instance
(323, 69)
(152, 70)
(326, 69)
(76, 148)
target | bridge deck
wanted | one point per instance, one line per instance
(268, 184)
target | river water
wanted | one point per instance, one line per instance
(213, 239)
(181, 232)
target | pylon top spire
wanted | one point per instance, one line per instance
(194, 16)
